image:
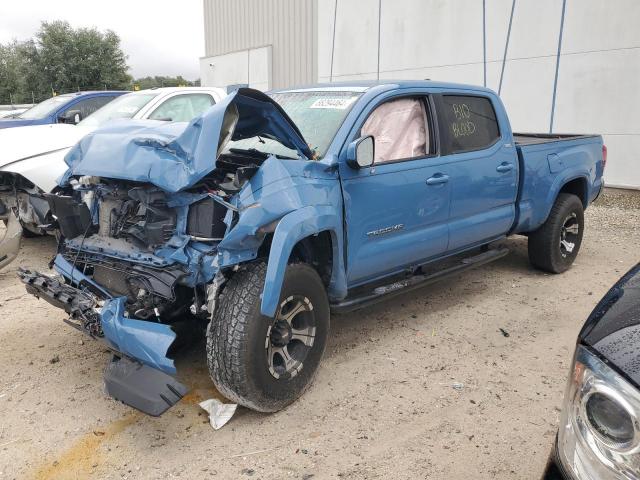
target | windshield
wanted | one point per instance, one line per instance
(318, 116)
(125, 106)
(45, 108)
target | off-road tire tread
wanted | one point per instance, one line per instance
(542, 247)
(226, 332)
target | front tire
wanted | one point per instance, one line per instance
(266, 363)
(555, 245)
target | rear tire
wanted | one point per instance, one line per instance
(267, 363)
(555, 245)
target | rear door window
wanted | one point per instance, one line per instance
(467, 123)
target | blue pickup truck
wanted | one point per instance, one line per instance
(67, 108)
(268, 212)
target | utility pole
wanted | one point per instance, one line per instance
(379, 23)
(555, 80)
(333, 41)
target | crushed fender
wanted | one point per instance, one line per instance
(147, 342)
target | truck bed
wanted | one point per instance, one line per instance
(549, 161)
(537, 138)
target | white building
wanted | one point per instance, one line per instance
(510, 45)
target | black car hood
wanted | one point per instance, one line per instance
(613, 328)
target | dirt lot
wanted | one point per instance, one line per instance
(382, 406)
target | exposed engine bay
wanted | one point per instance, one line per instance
(112, 232)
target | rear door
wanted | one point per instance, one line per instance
(483, 168)
(396, 211)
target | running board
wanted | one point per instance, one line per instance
(416, 281)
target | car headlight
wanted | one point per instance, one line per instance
(599, 435)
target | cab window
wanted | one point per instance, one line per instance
(469, 123)
(89, 105)
(400, 130)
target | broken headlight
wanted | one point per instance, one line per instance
(599, 434)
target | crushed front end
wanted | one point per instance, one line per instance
(152, 220)
(133, 263)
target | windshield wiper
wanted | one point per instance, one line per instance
(259, 153)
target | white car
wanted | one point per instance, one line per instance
(32, 157)
(11, 113)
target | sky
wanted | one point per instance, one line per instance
(161, 37)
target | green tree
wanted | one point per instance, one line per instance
(162, 81)
(80, 59)
(61, 59)
(9, 71)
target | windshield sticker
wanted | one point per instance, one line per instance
(333, 103)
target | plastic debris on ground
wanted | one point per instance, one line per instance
(219, 413)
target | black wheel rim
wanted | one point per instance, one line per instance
(291, 337)
(569, 234)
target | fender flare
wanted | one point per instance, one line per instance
(292, 228)
(558, 185)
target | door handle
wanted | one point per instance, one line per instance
(504, 167)
(437, 179)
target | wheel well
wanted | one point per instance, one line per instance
(317, 251)
(577, 187)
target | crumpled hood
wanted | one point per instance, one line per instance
(27, 142)
(175, 156)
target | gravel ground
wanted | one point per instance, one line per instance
(383, 404)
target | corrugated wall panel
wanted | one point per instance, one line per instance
(287, 25)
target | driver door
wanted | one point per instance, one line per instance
(396, 211)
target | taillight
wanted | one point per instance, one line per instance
(604, 156)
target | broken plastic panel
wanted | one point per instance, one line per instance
(140, 386)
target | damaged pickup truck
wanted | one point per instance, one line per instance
(265, 213)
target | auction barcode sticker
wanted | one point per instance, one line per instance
(336, 103)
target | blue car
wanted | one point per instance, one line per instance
(67, 108)
(267, 212)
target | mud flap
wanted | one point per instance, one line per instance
(10, 244)
(142, 387)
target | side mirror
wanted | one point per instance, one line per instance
(70, 116)
(361, 152)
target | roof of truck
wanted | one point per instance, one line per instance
(363, 86)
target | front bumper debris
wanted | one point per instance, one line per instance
(139, 373)
(10, 244)
(142, 387)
